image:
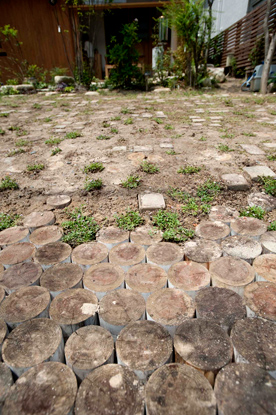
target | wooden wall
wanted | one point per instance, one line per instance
(37, 24)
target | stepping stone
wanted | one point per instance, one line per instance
(170, 307)
(184, 390)
(160, 114)
(58, 201)
(164, 254)
(249, 227)
(19, 276)
(17, 253)
(199, 120)
(115, 388)
(235, 182)
(255, 171)
(146, 236)
(202, 251)
(53, 382)
(215, 125)
(31, 343)
(91, 93)
(142, 149)
(119, 148)
(119, 308)
(103, 278)
(6, 381)
(254, 342)
(241, 247)
(37, 219)
(213, 230)
(259, 299)
(112, 236)
(47, 103)
(86, 255)
(151, 201)
(245, 386)
(216, 118)
(204, 345)
(141, 336)
(88, 348)
(166, 145)
(127, 255)
(269, 145)
(61, 277)
(145, 279)
(267, 202)
(136, 158)
(223, 214)
(265, 268)
(14, 235)
(189, 277)
(25, 304)
(46, 235)
(145, 115)
(155, 158)
(220, 305)
(232, 273)
(252, 149)
(268, 242)
(52, 254)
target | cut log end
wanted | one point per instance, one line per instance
(248, 227)
(127, 255)
(213, 230)
(14, 235)
(89, 254)
(241, 247)
(17, 253)
(202, 251)
(265, 267)
(164, 254)
(146, 278)
(46, 235)
(21, 275)
(189, 277)
(58, 201)
(146, 236)
(112, 236)
(61, 277)
(37, 219)
(224, 214)
(52, 254)
(103, 278)
(260, 298)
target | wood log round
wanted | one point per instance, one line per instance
(204, 345)
(86, 255)
(232, 273)
(6, 381)
(260, 300)
(265, 267)
(37, 219)
(73, 309)
(61, 277)
(2, 292)
(20, 275)
(127, 255)
(33, 342)
(224, 214)
(249, 227)
(254, 342)
(146, 278)
(179, 389)
(170, 307)
(164, 254)
(103, 278)
(14, 235)
(46, 235)
(58, 201)
(268, 242)
(112, 236)
(1, 270)
(246, 388)
(143, 346)
(189, 277)
(119, 308)
(25, 304)
(3, 333)
(202, 251)
(88, 348)
(52, 254)
(241, 247)
(116, 390)
(213, 230)
(17, 253)
(220, 305)
(146, 236)
(48, 388)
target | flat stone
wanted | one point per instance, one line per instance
(235, 181)
(160, 114)
(166, 145)
(255, 171)
(89, 93)
(151, 201)
(145, 115)
(252, 149)
(119, 148)
(155, 158)
(136, 158)
(47, 102)
(141, 149)
(267, 202)
(198, 120)
(270, 145)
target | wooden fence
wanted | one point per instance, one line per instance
(240, 38)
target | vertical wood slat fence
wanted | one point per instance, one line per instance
(240, 38)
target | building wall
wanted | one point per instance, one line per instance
(226, 13)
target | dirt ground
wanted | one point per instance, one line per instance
(242, 118)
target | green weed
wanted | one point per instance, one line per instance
(22, 143)
(2, 132)
(189, 170)
(125, 111)
(171, 152)
(94, 167)
(149, 167)
(131, 182)
(165, 220)
(48, 119)
(73, 134)
(56, 151)
(117, 118)
(224, 148)
(271, 157)
(129, 221)
(7, 183)
(35, 167)
(203, 139)
(91, 184)
(79, 228)
(7, 221)
(103, 137)
(269, 185)
(128, 121)
(249, 134)
(53, 141)
(13, 128)
(106, 124)
(15, 152)
(37, 106)
(208, 191)
(4, 114)
(253, 212)
(272, 226)
(168, 127)
(114, 130)
(157, 120)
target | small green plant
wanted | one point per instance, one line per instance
(79, 228)
(269, 184)
(271, 157)
(13, 81)
(56, 151)
(168, 127)
(165, 220)
(7, 183)
(131, 182)
(48, 119)
(4, 114)
(15, 152)
(224, 148)
(178, 194)
(228, 135)
(189, 170)
(7, 221)
(191, 207)
(13, 128)
(149, 167)
(208, 190)
(94, 167)
(106, 124)
(249, 134)
(128, 121)
(53, 141)
(21, 133)
(35, 167)
(179, 234)
(158, 120)
(2, 132)
(93, 184)
(37, 106)
(114, 130)
(129, 221)
(203, 139)
(253, 212)
(272, 226)
(228, 102)
(103, 137)
(117, 118)
(72, 135)
(125, 111)
(171, 152)
(22, 143)
(69, 89)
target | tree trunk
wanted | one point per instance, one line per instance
(266, 31)
(267, 63)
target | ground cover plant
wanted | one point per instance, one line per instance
(8, 220)
(73, 135)
(79, 228)
(189, 170)
(253, 212)
(93, 184)
(129, 220)
(269, 184)
(35, 167)
(7, 183)
(169, 223)
(149, 167)
(93, 167)
(131, 182)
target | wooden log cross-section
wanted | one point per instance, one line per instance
(17, 253)
(103, 278)
(48, 388)
(61, 277)
(116, 390)
(52, 254)
(146, 236)
(179, 389)
(245, 386)
(268, 242)
(213, 230)
(14, 235)
(202, 251)
(37, 219)
(88, 348)
(144, 346)
(127, 255)
(260, 300)
(119, 308)
(6, 381)
(20, 275)
(224, 214)
(58, 201)
(46, 235)
(33, 342)
(146, 278)
(164, 254)
(265, 267)
(86, 255)
(112, 236)
(249, 227)
(241, 247)
(3, 333)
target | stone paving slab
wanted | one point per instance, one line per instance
(255, 171)
(151, 201)
(252, 149)
(270, 145)
(235, 181)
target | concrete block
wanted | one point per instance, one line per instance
(235, 181)
(252, 149)
(151, 201)
(255, 171)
